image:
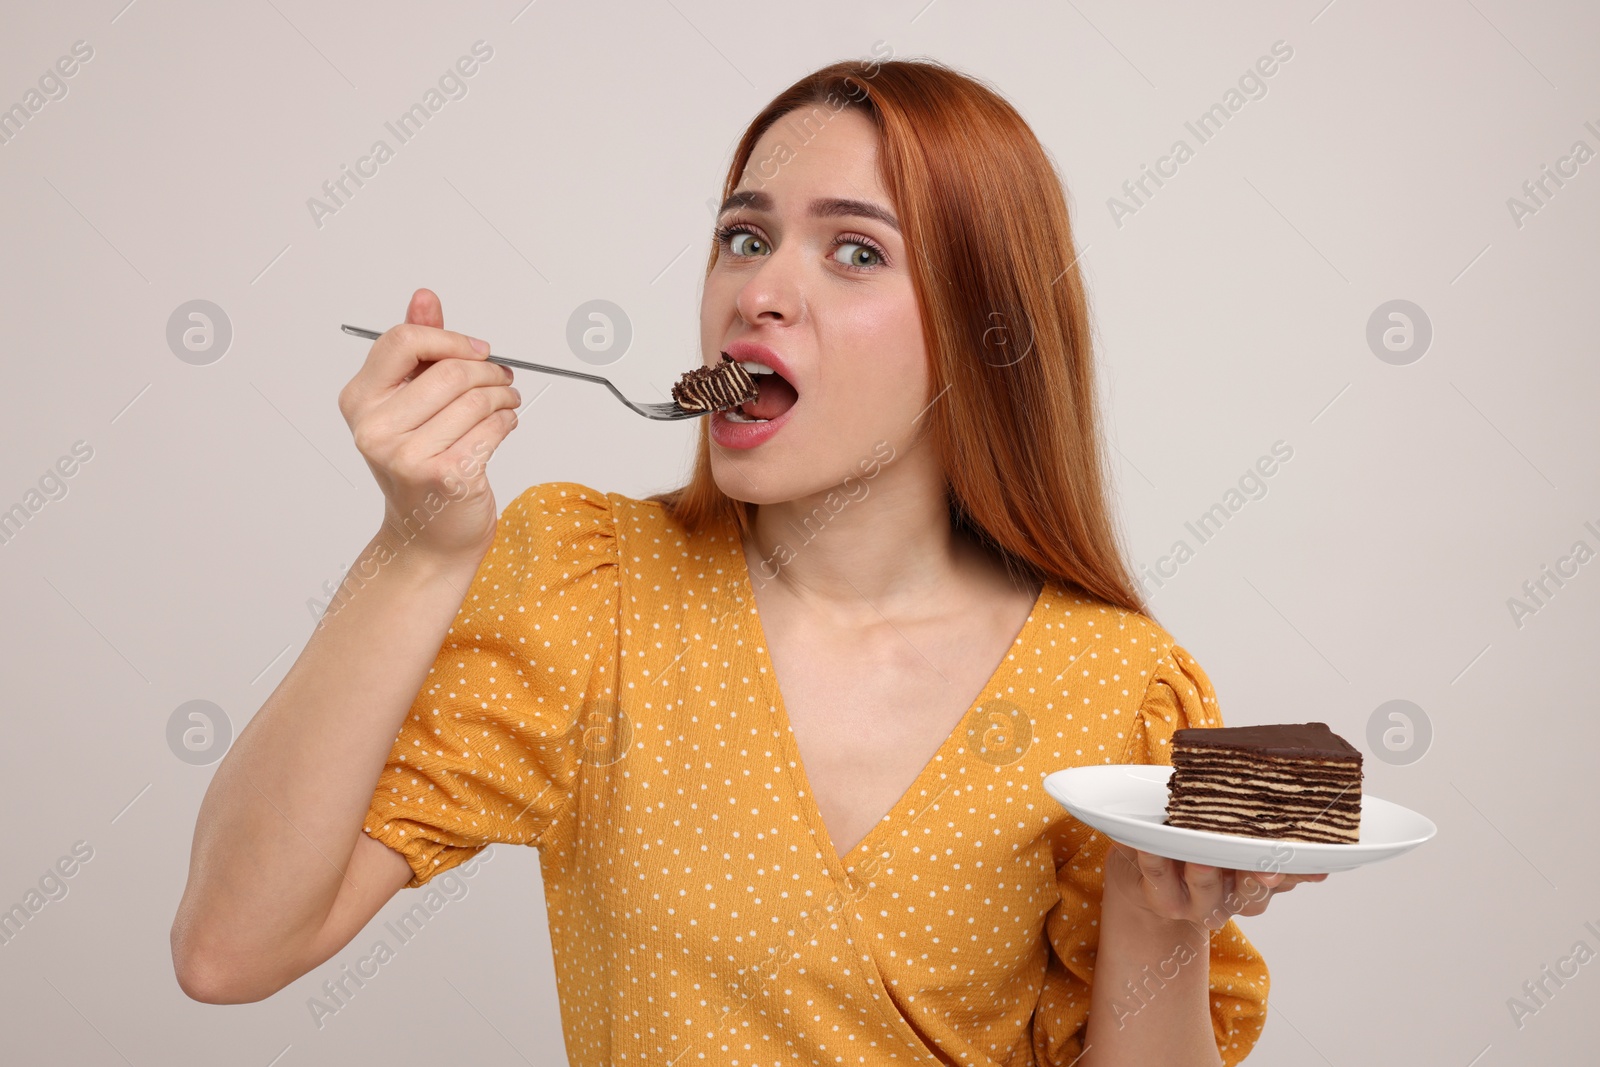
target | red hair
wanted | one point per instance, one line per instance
(990, 252)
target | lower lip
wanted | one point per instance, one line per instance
(746, 434)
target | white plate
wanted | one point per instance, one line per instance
(1127, 802)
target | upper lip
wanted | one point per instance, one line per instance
(743, 351)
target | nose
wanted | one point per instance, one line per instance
(775, 292)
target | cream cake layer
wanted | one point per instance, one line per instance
(1295, 781)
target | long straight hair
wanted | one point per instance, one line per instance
(1014, 415)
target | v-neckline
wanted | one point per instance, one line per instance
(949, 746)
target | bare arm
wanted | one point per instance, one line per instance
(1150, 998)
(281, 875)
(1150, 1001)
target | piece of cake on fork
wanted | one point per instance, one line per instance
(1294, 781)
(716, 388)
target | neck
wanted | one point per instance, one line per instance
(886, 550)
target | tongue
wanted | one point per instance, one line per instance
(775, 397)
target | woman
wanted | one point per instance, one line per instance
(778, 735)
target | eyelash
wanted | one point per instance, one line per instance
(724, 236)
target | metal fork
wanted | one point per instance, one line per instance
(669, 411)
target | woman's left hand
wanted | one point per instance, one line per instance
(1175, 891)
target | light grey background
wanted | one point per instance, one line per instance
(1231, 309)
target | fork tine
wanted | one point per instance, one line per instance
(669, 411)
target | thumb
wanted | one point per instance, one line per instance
(425, 309)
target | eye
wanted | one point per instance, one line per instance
(863, 255)
(741, 241)
(727, 237)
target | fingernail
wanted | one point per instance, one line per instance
(480, 347)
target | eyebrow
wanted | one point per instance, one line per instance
(824, 207)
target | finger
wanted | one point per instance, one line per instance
(1256, 899)
(1292, 880)
(1256, 906)
(405, 352)
(479, 443)
(1260, 885)
(1207, 887)
(1251, 894)
(441, 432)
(1248, 888)
(434, 390)
(425, 309)
(1163, 888)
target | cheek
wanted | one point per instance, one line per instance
(881, 382)
(716, 305)
(708, 313)
(892, 361)
(900, 375)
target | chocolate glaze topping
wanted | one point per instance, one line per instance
(1300, 740)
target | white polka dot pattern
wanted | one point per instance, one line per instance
(698, 911)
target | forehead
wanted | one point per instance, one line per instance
(816, 150)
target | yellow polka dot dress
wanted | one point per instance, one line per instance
(605, 694)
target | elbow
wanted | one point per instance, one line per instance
(210, 978)
(199, 982)
(210, 984)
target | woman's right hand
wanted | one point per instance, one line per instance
(427, 410)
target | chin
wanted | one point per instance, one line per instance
(788, 468)
(737, 488)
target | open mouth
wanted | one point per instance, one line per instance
(774, 396)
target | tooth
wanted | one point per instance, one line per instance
(752, 367)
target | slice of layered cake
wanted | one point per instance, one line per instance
(725, 385)
(1297, 781)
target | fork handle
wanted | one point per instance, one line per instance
(504, 361)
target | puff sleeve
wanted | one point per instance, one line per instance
(490, 750)
(1179, 695)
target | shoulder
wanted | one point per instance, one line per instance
(568, 516)
(557, 498)
(550, 513)
(1085, 621)
(1125, 646)
(556, 529)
